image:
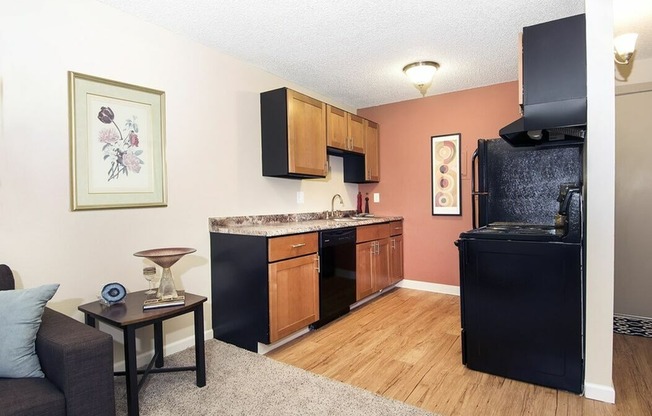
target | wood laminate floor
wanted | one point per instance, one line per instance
(405, 345)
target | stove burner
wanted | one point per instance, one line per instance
(519, 231)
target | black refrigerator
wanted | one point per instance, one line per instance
(521, 277)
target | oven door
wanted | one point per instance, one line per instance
(522, 310)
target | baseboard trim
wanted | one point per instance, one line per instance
(430, 287)
(265, 348)
(168, 349)
(600, 392)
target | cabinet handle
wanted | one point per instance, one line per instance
(298, 245)
(318, 264)
(393, 244)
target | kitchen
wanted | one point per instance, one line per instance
(272, 275)
(238, 187)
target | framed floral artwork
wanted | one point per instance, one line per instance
(117, 144)
(446, 179)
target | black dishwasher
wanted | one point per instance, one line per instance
(336, 274)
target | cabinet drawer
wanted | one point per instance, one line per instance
(372, 232)
(396, 227)
(294, 245)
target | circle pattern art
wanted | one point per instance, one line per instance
(446, 174)
(446, 152)
(444, 199)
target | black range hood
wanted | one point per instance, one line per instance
(554, 84)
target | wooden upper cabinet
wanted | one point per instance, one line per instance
(372, 152)
(356, 126)
(306, 135)
(344, 131)
(297, 129)
(336, 128)
(293, 129)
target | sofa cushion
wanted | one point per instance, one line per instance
(20, 319)
(31, 397)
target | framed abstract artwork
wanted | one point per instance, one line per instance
(445, 175)
(117, 144)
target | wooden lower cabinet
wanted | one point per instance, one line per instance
(263, 289)
(293, 295)
(372, 260)
(364, 253)
(395, 259)
(380, 266)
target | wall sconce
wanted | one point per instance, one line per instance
(421, 73)
(624, 47)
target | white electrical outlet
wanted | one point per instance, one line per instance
(376, 197)
(299, 197)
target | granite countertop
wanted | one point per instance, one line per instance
(284, 224)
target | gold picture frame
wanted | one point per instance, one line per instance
(117, 144)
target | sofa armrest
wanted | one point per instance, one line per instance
(78, 360)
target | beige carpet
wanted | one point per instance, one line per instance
(239, 382)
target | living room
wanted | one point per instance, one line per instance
(213, 161)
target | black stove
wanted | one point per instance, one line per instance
(521, 278)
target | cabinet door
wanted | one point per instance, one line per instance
(372, 152)
(336, 128)
(364, 253)
(293, 295)
(306, 135)
(356, 128)
(395, 259)
(380, 266)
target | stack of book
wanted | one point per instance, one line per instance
(152, 302)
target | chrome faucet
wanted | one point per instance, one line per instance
(333, 204)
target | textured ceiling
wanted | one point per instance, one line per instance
(353, 51)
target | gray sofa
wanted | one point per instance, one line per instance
(78, 364)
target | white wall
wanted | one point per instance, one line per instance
(633, 264)
(600, 179)
(638, 71)
(213, 151)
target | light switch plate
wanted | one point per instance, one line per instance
(376, 197)
(299, 197)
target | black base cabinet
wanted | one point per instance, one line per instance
(522, 311)
(239, 289)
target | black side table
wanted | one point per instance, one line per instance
(129, 316)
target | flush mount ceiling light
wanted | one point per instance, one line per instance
(624, 47)
(421, 73)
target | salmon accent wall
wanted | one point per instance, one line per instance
(405, 169)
